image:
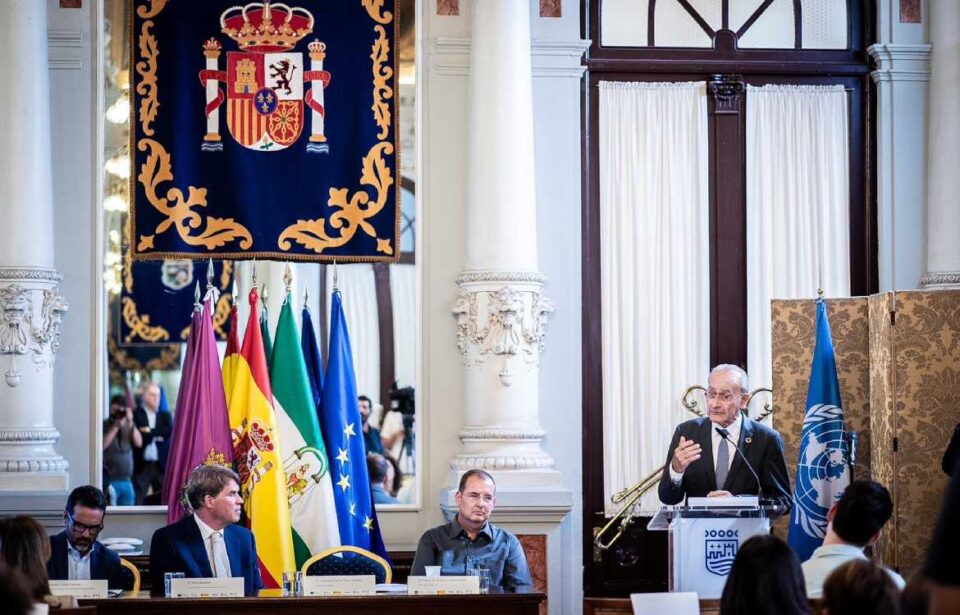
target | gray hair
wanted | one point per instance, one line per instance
(207, 480)
(737, 371)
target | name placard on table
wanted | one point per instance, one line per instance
(439, 586)
(340, 585)
(79, 589)
(231, 587)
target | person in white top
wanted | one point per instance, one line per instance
(854, 523)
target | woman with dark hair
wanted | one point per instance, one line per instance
(25, 548)
(860, 587)
(765, 578)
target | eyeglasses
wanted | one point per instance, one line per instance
(724, 396)
(83, 527)
(476, 498)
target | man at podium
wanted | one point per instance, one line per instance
(703, 459)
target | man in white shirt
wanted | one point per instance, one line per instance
(75, 554)
(703, 461)
(150, 459)
(854, 523)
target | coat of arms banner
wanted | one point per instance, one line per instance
(265, 130)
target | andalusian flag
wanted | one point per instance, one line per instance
(256, 449)
(313, 513)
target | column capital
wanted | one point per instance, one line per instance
(900, 62)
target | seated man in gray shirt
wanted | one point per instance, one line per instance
(471, 540)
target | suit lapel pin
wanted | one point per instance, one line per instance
(748, 440)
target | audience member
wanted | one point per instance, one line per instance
(75, 552)
(379, 469)
(860, 587)
(915, 599)
(941, 565)
(14, 595)
(765, 578)
(25, 548)
(371, 435)
(150, 460)
(853, 524)
(471, 539)
(208, 543)
(394, 482)
(120, 438)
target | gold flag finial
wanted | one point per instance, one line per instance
(287, 277)
(209, 273)
(306, 297)
(254, 276)
(263, 295)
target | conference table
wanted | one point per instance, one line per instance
(269, 602)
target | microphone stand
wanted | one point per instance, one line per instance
(726, 436)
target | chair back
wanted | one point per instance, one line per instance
(348, 560)
(133, 576)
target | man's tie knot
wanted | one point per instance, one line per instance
(723, 432)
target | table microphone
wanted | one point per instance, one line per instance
(725, 435)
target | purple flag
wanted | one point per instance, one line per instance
(201, 426)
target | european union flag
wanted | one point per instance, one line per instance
(822, 470)
(311, 356)
(342, 435)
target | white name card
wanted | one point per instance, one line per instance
(231, 587)
(79, 589)
(439, 586)
(340, 585)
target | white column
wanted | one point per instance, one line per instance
(501, 310)
(943, 180)
(31, 307)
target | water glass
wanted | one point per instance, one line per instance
(483, 574)
(293, 583)
(167, 578)
(432, 571)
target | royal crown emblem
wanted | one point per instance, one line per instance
(268, 83)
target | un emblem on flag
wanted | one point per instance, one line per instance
(822, 472)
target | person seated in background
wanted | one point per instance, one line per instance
(371, 435)
(25, 548)
(120, 438)
(207, 543)
(853, 524)
(765, 578)
(860, 587)
(75, 554)
(379, 470)
(470, 539)
(915, 597)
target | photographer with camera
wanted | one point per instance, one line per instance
(119, 439)
(396, 428)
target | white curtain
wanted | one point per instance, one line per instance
(403, 292)
(358, 292)
(655, 292)
(797, 205)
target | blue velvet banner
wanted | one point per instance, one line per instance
(265, 130)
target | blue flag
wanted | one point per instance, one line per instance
(311, 356)
(822, 470)
(343, 436)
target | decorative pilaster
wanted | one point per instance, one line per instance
(501, 309)
(943, 149)
(31, 307)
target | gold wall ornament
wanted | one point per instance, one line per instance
(217, 232)
(354, 211)
(169, 358)
(155, 7)
(140, 325)
(382, 73)
(374, 8)
(147, 87)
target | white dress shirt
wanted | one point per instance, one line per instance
(715, 440)
(828, 558)
(150, 450)
(219, 561)
(78, 566)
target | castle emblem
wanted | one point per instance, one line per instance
(268, 83)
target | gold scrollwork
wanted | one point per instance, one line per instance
(147, 86)
(375, 8)
(382, 73)
(169, 358)
(217, 231)
(155, 7)
(354, 211)
(140, 325)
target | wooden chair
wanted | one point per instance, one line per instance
(133, 571)
(348, 560)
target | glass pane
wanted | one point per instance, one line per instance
(773, 30)
(673, 26)
(623, 23)
(824, 24)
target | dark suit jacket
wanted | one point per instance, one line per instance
(179, 548)
(764, 451)
(104, 563)
(163, 428)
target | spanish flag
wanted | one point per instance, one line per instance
(257, 452)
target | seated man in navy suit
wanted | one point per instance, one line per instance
(702, 461)
(75, 554)
(207, 543)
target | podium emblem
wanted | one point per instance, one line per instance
(719, 553)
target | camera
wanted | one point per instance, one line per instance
(402, 400)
